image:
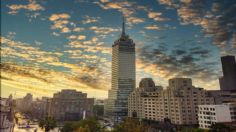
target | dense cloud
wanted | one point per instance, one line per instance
(217, 19)
(180, 63)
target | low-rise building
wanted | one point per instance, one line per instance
(211, 114)
(178, 102)
(221, 96)
(70, 105)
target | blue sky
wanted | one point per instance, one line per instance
(49, 45)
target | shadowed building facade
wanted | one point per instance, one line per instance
(123, 77)
(69, 105)
(228, 81)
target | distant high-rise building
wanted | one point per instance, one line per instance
(25, 104)
(123, 76)
(228, 81)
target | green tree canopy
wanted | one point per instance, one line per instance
(130, 125)
(87, 125)
(47, 123)
(220, 127)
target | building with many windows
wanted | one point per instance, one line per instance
(123, 77)
(70, 105)
(211, 114)
(178, 102)
(221, 96)
(24, 104)
(146, 87)
(7, 111)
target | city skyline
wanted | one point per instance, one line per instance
(47, 46)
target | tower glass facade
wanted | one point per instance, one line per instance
(123, 77)
(228, 81)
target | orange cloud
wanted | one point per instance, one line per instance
(152, 27)
(156, 16)
(31, 6)
(81, 37)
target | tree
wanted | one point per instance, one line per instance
(130, 125)
(220, 127)
(47, 123)
(91, 123)
(16, 119)
(189, 129)
(87, 125)
(83, 129)
(98, 110)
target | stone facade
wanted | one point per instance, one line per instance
(178, 102)
(70, 105)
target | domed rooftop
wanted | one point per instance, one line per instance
(146, 83)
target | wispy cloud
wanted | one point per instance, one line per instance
(44, 81)
(103, 30)
(89, 19)
(60, 21)
(152, 27)
(31, 6)
(24, 51)
(156, 16)
(128, 9)
(55, 17)
(84, 74)
(134, 20)
(78, 29)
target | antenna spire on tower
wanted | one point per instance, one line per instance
(123, 26)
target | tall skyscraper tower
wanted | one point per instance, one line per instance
(228, 81)
(123, 76)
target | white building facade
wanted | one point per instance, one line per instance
(211, 114)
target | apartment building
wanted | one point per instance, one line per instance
(211, 114)
(135, 101)
(178, 102)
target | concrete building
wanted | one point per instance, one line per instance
(39, 107)
(146, 87)
(228, 81)
(178, 102)
(221, 96)
(99, 102)
(211, 114)
(70, 105)
(98, 108)
(123, 77)
(7, 108)
(24, 104)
